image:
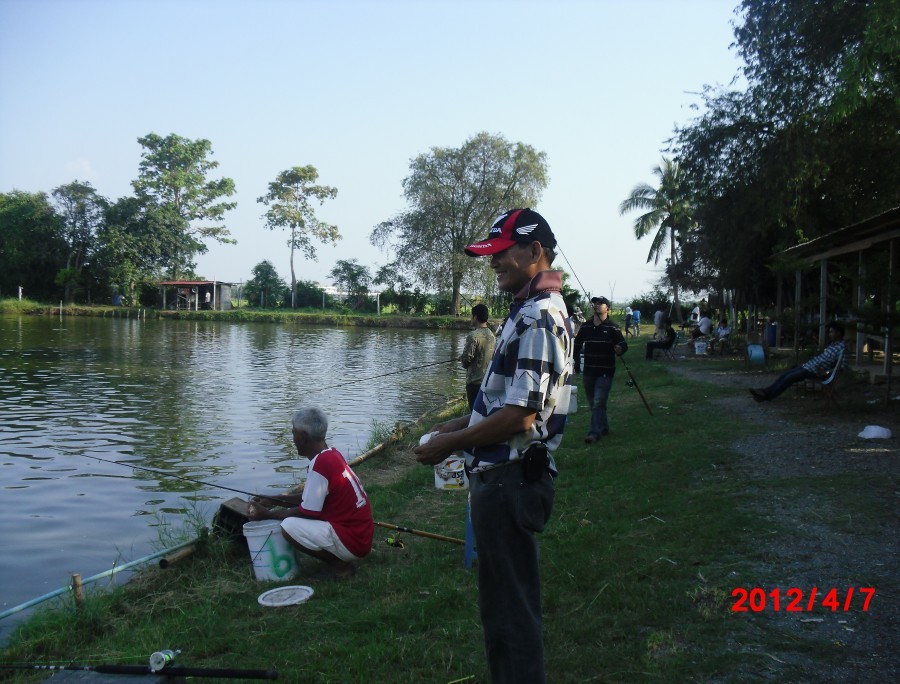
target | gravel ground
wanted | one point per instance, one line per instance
(831, 499)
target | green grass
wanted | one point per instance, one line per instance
(14, 306)
(637, 565)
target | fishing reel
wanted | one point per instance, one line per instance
(396, 542)
(629, 383)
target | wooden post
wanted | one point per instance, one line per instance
(823, 300)
(891, 316)
(77, 590)
(860, 300)
(797, 279)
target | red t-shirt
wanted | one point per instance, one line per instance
(334, 494)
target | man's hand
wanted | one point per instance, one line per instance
(256, 510)
(619, 349)
(434, 450)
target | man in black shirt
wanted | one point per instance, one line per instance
(602, 342)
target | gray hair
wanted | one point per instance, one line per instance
(312, 421)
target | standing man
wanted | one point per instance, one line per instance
(477, 352)
(602, 342)
(332, 519)
(509, 438)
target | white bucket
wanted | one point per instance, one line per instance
(699, 348)
(272, 555)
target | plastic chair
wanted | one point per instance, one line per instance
(828, 384)
(669, 352)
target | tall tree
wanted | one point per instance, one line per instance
(31, 245)
(289, 201)
(454, 195)
(668, 215)
(174, 180)
(82, 211)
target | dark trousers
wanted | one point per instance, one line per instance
(597, 388)
(653, 346)
(472, 392)
(786, 379)
(506, 512)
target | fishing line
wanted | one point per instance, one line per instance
(586, 296)
(383, 375)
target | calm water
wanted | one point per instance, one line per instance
(209, 401)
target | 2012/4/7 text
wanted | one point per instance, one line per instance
(795, 599)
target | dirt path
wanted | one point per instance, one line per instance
(830, 502)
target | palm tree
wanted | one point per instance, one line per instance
(668, 214)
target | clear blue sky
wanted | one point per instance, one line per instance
(357, 89)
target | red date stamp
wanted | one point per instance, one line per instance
(797, 600)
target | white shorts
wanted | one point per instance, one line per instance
(316, 535)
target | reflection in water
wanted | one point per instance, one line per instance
(207, 401)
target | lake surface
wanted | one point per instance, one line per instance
(207, 401)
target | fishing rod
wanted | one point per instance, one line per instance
(278, 499)
(169, 671)
(420, 533)
(636, 386)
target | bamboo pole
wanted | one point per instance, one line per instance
(77, 590)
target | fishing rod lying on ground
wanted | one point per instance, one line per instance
(420, 533)
(170, 671)
(280, 500)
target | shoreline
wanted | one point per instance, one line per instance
(265, 316)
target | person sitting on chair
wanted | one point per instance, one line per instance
(723, 330)
(704, 326)
(666, 342)
(815, 368)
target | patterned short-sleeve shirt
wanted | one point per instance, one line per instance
(532, 368)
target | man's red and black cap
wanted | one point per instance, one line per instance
(517, 226)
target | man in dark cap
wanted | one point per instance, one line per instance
(509, 438)
(602, 341)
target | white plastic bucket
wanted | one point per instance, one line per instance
(699, 348)
(272, 555)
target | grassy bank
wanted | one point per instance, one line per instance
(636, 562)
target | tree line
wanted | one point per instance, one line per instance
(77, 245)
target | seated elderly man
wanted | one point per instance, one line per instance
(332, 519)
